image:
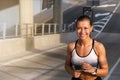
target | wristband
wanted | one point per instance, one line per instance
(95, 72)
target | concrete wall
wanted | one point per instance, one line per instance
(11, 48)
(46, 41)
(43, 16)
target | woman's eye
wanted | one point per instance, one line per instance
(85, 28)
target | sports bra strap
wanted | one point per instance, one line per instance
(93, 43)
(76, 44)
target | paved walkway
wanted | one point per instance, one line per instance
(46, 65)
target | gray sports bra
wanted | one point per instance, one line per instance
(91, 58)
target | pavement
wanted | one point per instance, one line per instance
(46, 65)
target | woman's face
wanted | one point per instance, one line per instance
(83, 29)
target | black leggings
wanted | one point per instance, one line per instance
(98, 78)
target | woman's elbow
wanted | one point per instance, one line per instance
(107, 72)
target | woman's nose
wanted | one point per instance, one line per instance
(82, 30)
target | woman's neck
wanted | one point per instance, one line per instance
(85, 42)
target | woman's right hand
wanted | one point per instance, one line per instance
(77, 73)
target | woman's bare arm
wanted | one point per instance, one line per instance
(68, 67)
(100, 49)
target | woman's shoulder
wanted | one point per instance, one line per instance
(99, 47)
(71, 45)
(98, 44)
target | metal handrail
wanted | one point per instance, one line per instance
(48, 25)
(33, 28)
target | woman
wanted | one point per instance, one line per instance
(86, 57)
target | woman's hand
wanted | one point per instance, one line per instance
(77, 73)
(87, 67)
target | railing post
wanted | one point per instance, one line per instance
(64, 28)
(32, 29)
(26, 30)
(16, 30)
(55, 25)
(43, 26)
(4, 31)
(49, 28)
(35, 29)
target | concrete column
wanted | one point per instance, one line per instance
(26, 17)
(58, 14)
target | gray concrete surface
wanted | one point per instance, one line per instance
(46, 65)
